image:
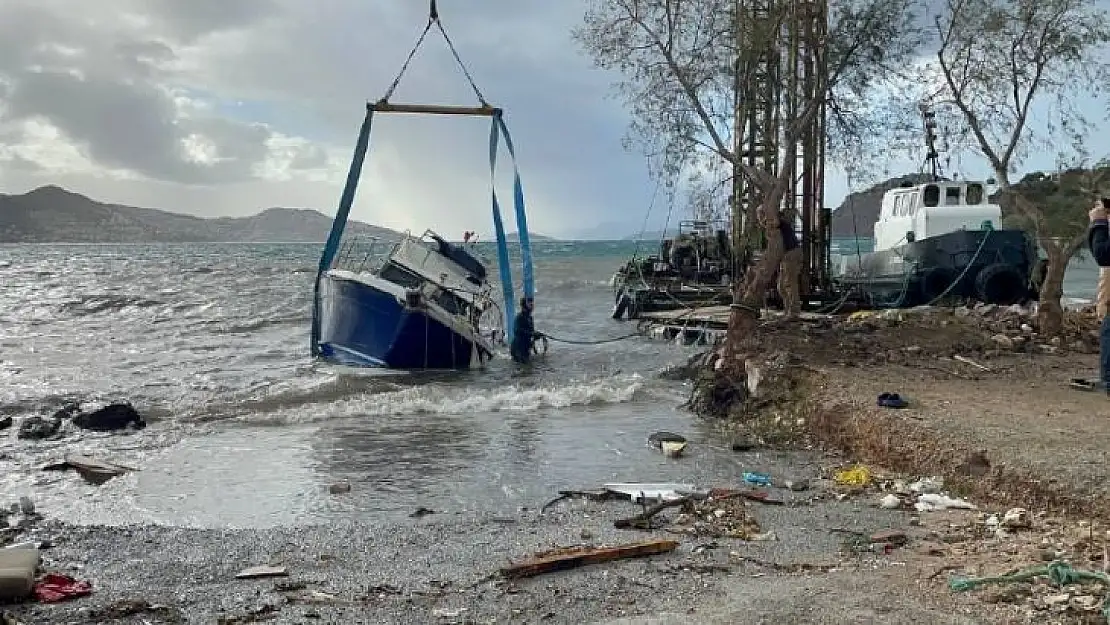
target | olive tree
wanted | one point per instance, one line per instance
(1002, 65)
(683, 65)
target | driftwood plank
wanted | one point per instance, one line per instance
(584, 556)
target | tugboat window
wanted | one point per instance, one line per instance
(932, 195)
(975, 193)
(951, 196)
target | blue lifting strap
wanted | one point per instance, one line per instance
(498, 128)
(340, 222)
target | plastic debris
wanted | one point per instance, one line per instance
(55, 587)
(858, 475)
(927, 485)
(890, 502)
(932, 501)
(757, 479)
(255, 572)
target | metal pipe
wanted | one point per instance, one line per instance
(433, 109)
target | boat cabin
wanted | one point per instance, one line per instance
(916, 212)
(445, 272)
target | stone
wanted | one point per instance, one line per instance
(5, 422)
(339, 487)
(976, 465)
(110, 418)
(890, 502)
(26, 506)
(1017, 518)
(37, 427)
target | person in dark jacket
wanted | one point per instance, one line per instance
(1098, 239)
(524, 332)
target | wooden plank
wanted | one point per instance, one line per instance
(433, 109)
(582, 556)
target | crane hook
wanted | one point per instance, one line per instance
(433, 13)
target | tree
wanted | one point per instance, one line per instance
(683, 64)
(1000, 64)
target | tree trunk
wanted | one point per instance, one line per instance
(748, 299)
(1050, 313)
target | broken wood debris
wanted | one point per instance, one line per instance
(93, 471)
(574, 557)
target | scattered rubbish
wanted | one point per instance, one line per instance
(760, 496)
(1059, 574)
(858, 475)
(890, 502)
(933, 501)
(93, 471)
(17, 573)
(55, 587)
(976, 465)
(125, 608)
(591, 495)
(1017, 518)
(339, 488)
(422, 512)
(574, 557)
(757, 479)
(927, 485)
(265, 570)
(30, 544)
(717, 517)
(742, 445)
(319, 596)
(672, 445)
(652, 492)
(797, 485)
(892, 400)
(448, 612)
(896, 538)
(764, 537)
(968, 361)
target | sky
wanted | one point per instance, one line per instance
(221, 107)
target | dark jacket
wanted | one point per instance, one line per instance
(1098, 239)
(789, 237)
(524, 333)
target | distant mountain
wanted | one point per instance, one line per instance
(656, 235)
(857, 215)
(532, 236)
(52, 214)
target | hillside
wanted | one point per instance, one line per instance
(54, 215)
(864, 206)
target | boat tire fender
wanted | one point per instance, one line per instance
(934, 283)
(1000, 284)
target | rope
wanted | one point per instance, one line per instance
(458, 59)
(596, 342)
(1060, 574)
(408, 60)
(433, 20)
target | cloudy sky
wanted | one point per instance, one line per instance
(226, 107)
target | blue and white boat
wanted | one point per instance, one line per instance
(420, 309)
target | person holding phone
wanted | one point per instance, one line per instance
(1098, 240)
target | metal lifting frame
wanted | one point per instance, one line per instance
(780, 69)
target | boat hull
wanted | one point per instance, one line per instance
(990, 266)
(367, 323)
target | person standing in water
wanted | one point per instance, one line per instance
(524, 332)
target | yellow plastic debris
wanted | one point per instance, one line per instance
(858, 475)
(861, 314)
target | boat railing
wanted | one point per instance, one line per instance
(360, 254)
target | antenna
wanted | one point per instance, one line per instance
(931, 155)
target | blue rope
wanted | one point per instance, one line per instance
(498, 128)
(340, 221)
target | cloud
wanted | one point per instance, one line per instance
(216, 107)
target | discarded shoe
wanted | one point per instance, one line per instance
(892, 400)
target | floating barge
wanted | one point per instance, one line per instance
(704, 325)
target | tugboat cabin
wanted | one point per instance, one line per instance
(913, 213)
